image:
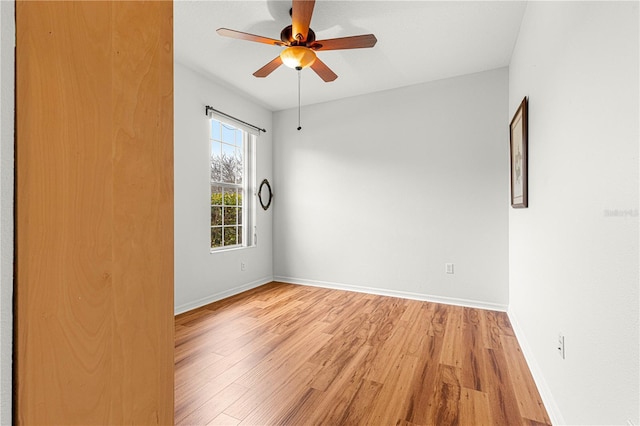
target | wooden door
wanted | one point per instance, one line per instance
(94, 212)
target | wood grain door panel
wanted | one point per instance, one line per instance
(94, 213)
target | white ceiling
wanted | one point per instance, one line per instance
(418, 41)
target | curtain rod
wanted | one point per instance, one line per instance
(207, 108)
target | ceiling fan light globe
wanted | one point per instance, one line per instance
(298, 57)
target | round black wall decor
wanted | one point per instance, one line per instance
(262, 185)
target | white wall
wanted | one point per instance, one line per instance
(573, 262)
(7, 43)
(378, 192)
(201, 276)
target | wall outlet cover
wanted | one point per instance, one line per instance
(561, 345)
(448, 267)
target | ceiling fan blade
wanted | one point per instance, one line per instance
(353, 42)
(269, 68)
(301, 18)
(249, 37)
(323, 70)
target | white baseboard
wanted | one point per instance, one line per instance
(545, 393)
(394, 293)
(220, 295)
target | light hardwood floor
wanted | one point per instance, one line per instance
(297, 355)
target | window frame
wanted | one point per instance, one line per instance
(246, 189)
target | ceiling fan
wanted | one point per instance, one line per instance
(301, 44)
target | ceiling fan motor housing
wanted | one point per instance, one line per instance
(286, 35)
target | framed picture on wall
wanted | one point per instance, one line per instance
(518, 149)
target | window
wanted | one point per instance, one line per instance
(232, 183)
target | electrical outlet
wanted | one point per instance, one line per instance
(243, 266)
(561, 345)
(448, 268)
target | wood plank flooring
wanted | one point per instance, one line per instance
(297, 355)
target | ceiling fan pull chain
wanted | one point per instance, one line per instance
(299, 73)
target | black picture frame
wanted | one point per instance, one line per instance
(268, 186)
(518, 148)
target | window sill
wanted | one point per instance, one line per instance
(227, 250)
